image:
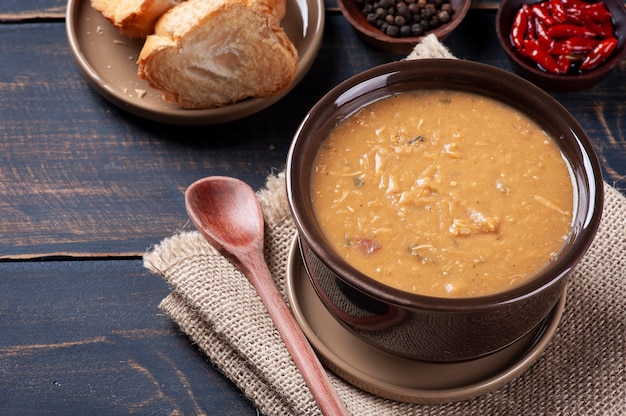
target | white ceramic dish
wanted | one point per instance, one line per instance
(402, 379)
(108, 61)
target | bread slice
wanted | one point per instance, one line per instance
(212, 53)
(133, 18)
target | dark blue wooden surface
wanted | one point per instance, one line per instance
(86, 188)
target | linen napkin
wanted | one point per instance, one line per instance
(582, 372)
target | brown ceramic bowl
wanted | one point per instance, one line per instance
(431, 328)
(553, 82)
(400, 45)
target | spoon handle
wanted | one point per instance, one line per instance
(303, 355)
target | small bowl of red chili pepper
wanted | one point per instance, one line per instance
(563, 45)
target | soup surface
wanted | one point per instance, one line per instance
(443, 193)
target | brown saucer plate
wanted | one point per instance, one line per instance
(402, 379)
(108, 61)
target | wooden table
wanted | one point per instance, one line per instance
(86, 188)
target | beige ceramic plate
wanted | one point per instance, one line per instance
(108, 60)
(403, 379)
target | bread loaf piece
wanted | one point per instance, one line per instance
(133, 18)
(212, 53)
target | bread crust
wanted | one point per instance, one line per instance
(212, 53)
(133, 18)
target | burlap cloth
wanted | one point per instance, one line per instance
(582, 372)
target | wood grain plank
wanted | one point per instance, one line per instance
(26, 10)
(87, 338)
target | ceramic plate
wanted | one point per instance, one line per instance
(108, 60)
(399, 378)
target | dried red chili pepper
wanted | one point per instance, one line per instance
(569, 30)
(604, 30)
(542, 35)
(573, 46)
(572, 3)
(599, 54)
(534, 51)
(520, 26)
(596, 11)
(541, 11)
(530, 26)
(564, 63)
(558, 10)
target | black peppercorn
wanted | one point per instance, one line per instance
(405, 30)
(393, 30)
(416, 29)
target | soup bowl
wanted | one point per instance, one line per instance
(431, 328)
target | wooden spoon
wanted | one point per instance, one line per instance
(227, 213)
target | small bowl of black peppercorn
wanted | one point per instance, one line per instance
(398, 25)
